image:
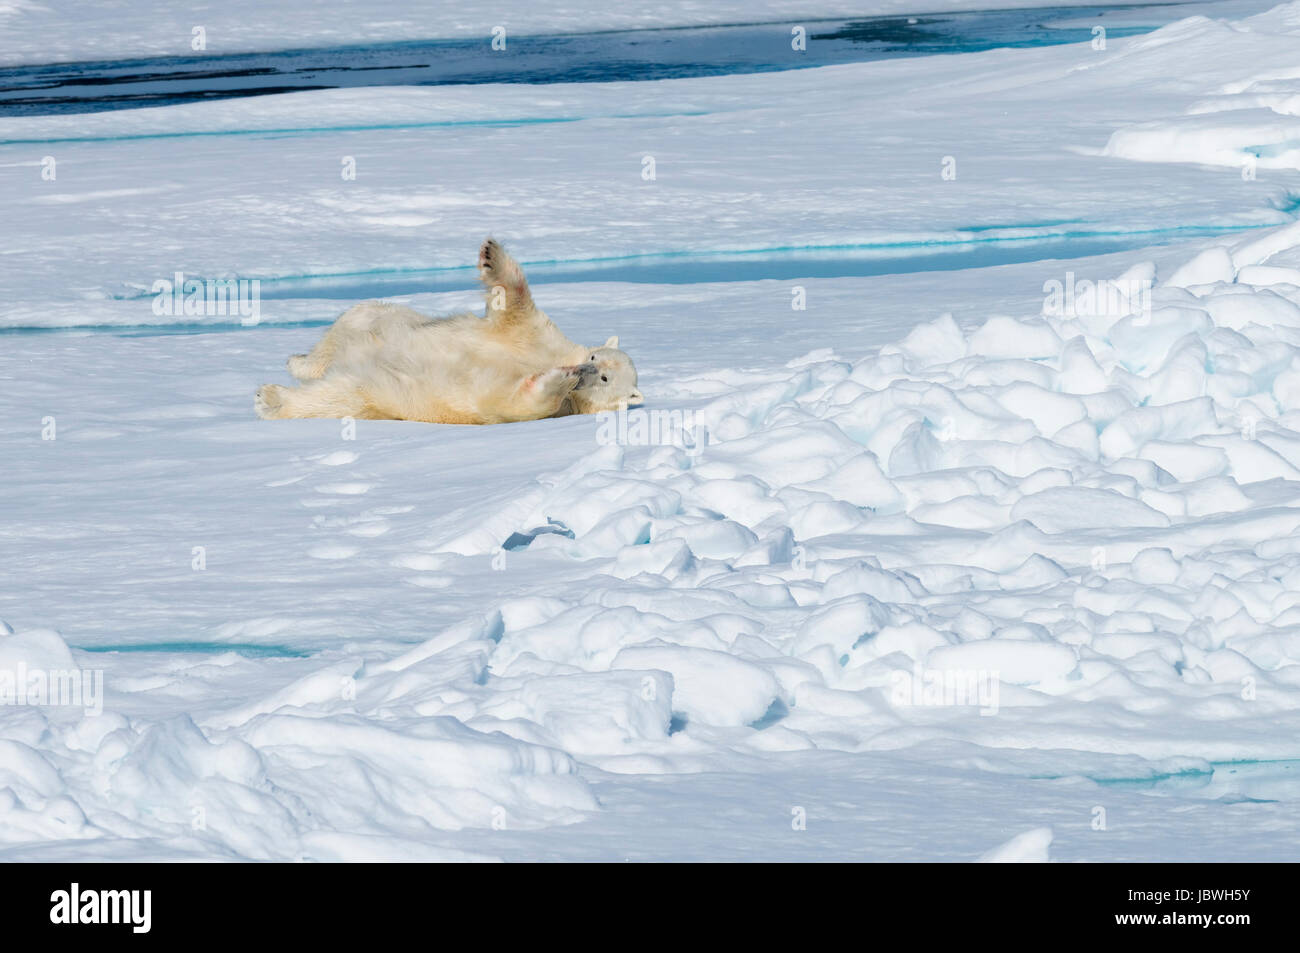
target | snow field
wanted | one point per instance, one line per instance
(925, 513)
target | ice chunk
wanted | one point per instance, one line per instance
(714, 688)
(1006, 337)
(1064, 509)
(1031, 847)
(1210, 266)
(860, 481)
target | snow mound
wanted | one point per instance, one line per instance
(1251, 123)
(1080, 507)
(1027, 848)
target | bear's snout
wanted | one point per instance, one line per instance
(585, 373)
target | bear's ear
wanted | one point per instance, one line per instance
(612, 342)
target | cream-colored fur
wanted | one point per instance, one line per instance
(387, 362)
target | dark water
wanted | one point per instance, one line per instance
(570, 58)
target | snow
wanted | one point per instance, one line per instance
(1031, 847)
(941, 564)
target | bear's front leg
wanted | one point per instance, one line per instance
(542, 394)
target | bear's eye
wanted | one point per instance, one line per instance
(604, 378)
(592, 358)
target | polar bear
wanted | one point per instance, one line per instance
(386, 362)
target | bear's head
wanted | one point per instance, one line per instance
(611, 385)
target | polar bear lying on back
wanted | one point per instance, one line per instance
(386, 362)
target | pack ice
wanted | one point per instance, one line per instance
(1088, 511)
